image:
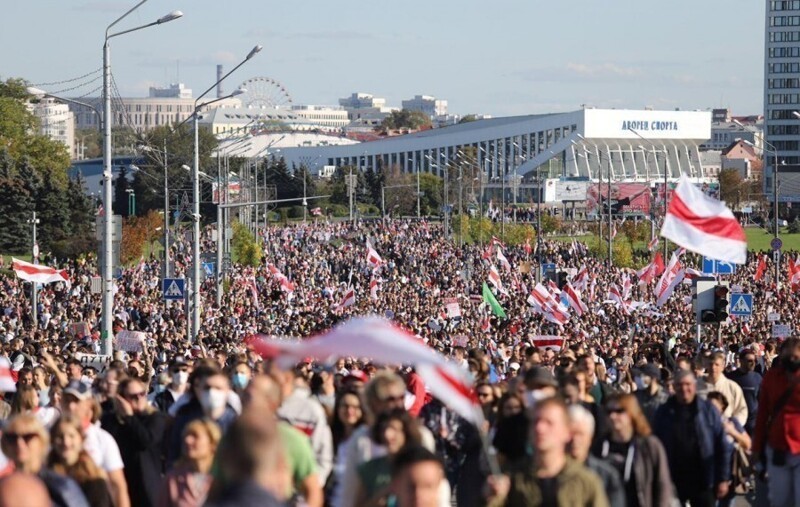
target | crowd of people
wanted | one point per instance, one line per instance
(625, 403)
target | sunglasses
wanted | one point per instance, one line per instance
(396, 399)
(484, 394)
(615, 410)
(136, 396)
(15, 437)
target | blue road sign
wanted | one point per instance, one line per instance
(549, 266)
(715, 267)
(173, 288)
(208, 268)
(741, 305)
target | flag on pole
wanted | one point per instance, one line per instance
(548, 342)
(502, 259)
(374, 285)
(704, 225)
(574, 300)
(653, 244)
(38, 273)
(349, 299)
(316, 212)
(283, 281)
(489, 298)
(672, 276)
(649, 273)
(373, 259)
(497, 242)
(494, 279)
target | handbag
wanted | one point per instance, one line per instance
(742, 472)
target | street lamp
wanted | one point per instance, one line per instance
(108, 295)
(774, 152)
(195, 301)
(599, 197)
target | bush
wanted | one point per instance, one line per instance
(72, 248)
(794, 226)
(244, 248)
(621, 250)
(295, 212)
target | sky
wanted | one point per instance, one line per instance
(498, 57)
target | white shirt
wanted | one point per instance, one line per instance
(102, 448)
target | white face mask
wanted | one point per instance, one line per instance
(213, 400)
(639, 382)
(180, 378)
(532, 397)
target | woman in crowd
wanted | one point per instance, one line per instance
(41, 382)
(393, 430)
(26, 401)
(637, 455)
(68, 457)
(736, 434)
(189, 481)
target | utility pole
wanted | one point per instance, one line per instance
(35, 260)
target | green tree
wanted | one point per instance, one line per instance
(731, 186)
(16, 204)
(121, 186)
(431, 186)
(405, 119)
(52, 207)
(244, 248)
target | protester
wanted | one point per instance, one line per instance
(417, 478)
(776, 440)
(651, 395)
(189, 481)
(750, 382)
(715, 380)
(699, 455)
(68, 457)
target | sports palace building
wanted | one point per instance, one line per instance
(569, 153)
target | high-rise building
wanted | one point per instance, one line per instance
(55, 121)
(782, 98)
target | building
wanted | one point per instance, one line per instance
(582, 145)
(431, 106)
(360, 100)
(742, 157)
(164, 106)
(325, 116)
(724, 133)
(782, 97)
(365, 111)
(56, 121)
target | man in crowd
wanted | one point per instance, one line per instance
(715, 380)
(750, 382)
(650, 394)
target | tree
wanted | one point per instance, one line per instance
(405, 119)
(468, 118)
(244, 247)
(431, 187)
(731, 185)
(52, 207)
(121, 186)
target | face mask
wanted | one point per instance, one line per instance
(531, 397)
(180, 378)
(791, 365)
(160, 388)
(639, 382)
(240, 380)
(213, 399)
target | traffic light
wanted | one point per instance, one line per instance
(719, 311)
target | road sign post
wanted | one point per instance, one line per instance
(741, 305)
(174, 289)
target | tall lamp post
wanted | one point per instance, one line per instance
(195, 299)
(666, 174)
(108, 295)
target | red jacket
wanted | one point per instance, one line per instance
(784, 433)
(416, 386)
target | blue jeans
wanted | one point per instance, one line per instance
(784, 481)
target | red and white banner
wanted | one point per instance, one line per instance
(704, 225)
(546, 304)
(761, 268)
(653, 244)
(383, 343)
(316, 212)
(283, 281)
(548, 342)
(581, 279)
(374, 285)
(649, 273)
(494, 279)
(38, 273)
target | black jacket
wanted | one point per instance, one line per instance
(140, 440)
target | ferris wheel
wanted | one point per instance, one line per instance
(265, 92)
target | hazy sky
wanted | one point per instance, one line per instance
(498, 57)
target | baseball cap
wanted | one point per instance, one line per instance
(78, 389)
(514, 366)
(650, 370)
(539, 377)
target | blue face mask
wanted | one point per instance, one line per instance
(240, 380)
(160, 388)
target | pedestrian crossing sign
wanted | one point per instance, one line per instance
(741, 304)
(173, 288)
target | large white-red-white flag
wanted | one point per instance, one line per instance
(349, 299)
(648, 273)
(548, 342)
(285, 284)
(383, 343)
(704, 225)
(38, 273)
(494, 279)
(502, 259)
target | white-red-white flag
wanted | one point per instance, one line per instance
(494, 279)
(316, 212)
(284, 283)
(626, 285)
(497, 242)
(373, 259)
(548, 342)
(653, 244)
(672, 276)
(704, 225)
(649, 273)
(383, 343)
(38, 273)
(502, 259)
(581, 278)
(349, 299)
(574, 299)
(374, 285)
